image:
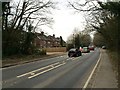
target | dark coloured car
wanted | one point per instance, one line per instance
(85, 50)
(74, 52)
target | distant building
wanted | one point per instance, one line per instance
(43, 41)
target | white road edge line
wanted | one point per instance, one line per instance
(86, 84)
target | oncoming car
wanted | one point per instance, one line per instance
(91, 48)
(74, 52)
(85, 50)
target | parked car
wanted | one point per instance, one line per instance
(85, 50)
(91, 47)
(103, 47)
(74, 52)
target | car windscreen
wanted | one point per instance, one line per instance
(72, 50)
(85, 48)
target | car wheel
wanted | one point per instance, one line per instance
(71, 55)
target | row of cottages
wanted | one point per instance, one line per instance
(43, 41)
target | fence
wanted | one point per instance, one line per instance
(56, 49)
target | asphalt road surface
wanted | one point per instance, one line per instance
(57, 72)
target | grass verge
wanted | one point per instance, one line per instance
(114, 58)
(20, 59)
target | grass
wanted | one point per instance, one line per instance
(114, 58)
(17, 59)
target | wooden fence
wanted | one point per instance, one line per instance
(56, 49)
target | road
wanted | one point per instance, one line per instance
(57, 72)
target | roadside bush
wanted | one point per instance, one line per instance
(69, 46)
(40, 52)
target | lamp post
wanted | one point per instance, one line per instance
(73, 41)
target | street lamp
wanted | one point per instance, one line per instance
(73, 41)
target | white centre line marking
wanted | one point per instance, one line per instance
(46, 70)
(31, 72)
(77, 58)
(68, 59)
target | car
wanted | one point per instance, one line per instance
(85, 50)
(91, 48)
(74, 52)
(80, 49)
(103, 47)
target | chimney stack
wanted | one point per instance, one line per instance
(53, 35)
(42, 33)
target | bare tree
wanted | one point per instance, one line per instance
(91, 10)
(37, 11)
(26, 16)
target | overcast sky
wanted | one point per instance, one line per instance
(65, 21)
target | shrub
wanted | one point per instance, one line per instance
(40, 52)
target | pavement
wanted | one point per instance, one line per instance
(104, 76)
